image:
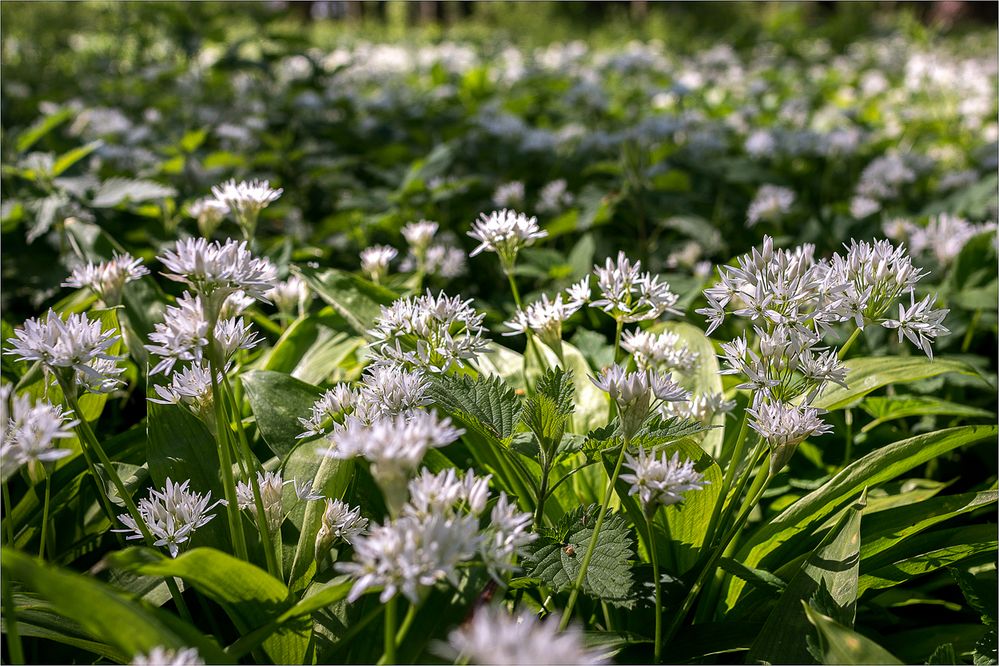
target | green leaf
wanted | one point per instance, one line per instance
(249, 595)
(41, 127)
(486, 405)
(108, 616)
(986, 649)
(889, 408)
(779, 534)
(758, 578)
(609, 576)
(119, 190)
(834, 567)
(871, 373)
(66, 160)
(277, 401)
(842, 645)
(591, 404)
(546, 413)
(354, 298)
(980, 592)
(944, 654)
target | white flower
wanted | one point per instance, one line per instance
(161, 656)
(290, 296)
(340, 521)
(215, 270)
(665, 351)
(629, 295)
(579, 293)
(637, 393)
(876, 275)
(409, 554)
(435, 333)
(783, 426)
(245, 200)
(861, 207)
(191, 386)
(419, 235)
(505, 232)
(387, 391)
(77, 342)
(544, 318)
(944, 236)
(493, 636)
(770, 204)
(208, 211)
(108, 278)
(375, 261)
(171, 515)
(330, 410)
(271, 485)
(446, 493)
(761, 143)
(554, 197)
(304, 491)
(700, 407)
(29, 430)
(920, 323)
(509, 194)
(506, 537)
(660, 481)
(445, 261)
(394, 445)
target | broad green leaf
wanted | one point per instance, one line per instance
(944, 654)
(107, 615)
(277, 401)
(592, 404)
(486, 405)
(547, 411)
(609, 576)
(778, 534)
(119, 190)
(833, 567)
(354, 298)
(868, 374)
(889, 408)
(249, 595)
(842, 645)
(980, 592)
(498, 361)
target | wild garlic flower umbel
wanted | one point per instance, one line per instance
(245, 200)
(784, 426)
(271, 487)
(107, 279)
(375, 261)
(943, 237)
(436, 532)
(183, 335)
(29, 431)
(216, 270)
(626, 293)
(394, 445)
(76, 345)
(770, 205)
(505, 232)
(209, 212)
(494, 636)
(544, 318)
(663, 351)
(637, 394)
(660, 481)
(419, 235)
(339, 521)
(171, 515)
(701, 407)
(291, 297)
(434, 333)
(191, 387)
(161, 656)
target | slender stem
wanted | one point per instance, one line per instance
(539, 510)
(10, 621)
(848, 453)
(513, 288)
(584, 565)
(45, 515)
(733, 464)
(178, 598)
(252, 465)
(849, 343)
(659, 601)
(406, 623)
(970, 333)
(617, 338)
(225, 463)
(388, 656)
(8, 509)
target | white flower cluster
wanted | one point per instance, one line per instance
(191, 387)
(107, 278)
(375, 261)
(494, 636)
(665, 351)
(544, 318)
(430, 254)
(291, 297)
(216, 270)
(660, 481)
(245, 200)
(505, 232)
(637, 394)
(171, 515)
(339, 521)
(76, 343)
(435, 532)
(162, 656)
(554, 197)
(509, 194)
(770, 205)
(701, 407)
(626, 293)
(435, 333)
(784, 426)
(271, 487)
(383, 391)
(943, 237)
(29, 430)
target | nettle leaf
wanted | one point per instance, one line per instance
(547, 412)
(556, 561)
(486, 405)
(980, 592)
(986, 652)
(944, 654)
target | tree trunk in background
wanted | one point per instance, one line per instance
(639, 9)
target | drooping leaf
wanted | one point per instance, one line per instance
(608, 578)
(889, 408)
(842, 645)
(278, 400)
